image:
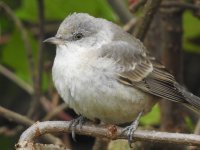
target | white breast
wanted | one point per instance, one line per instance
(89, 86)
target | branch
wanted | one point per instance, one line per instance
(41, 47)
(7, 132)
(121, 10)
(25, 38)
(20, 119)
(15, 117)
(197, 128)
(55, 111)
(38, 146)
(135, 6)
(142, 27)
(35, 103)
(129, 27)
(21, 83)
(182, 5)
(196, 131)
(110, 132)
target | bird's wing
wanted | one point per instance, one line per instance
(139, 70)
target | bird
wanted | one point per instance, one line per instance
(105, 73)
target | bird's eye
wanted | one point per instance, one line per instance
(77, 36)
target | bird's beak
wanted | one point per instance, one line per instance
(54, 40)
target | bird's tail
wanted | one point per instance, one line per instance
(192, 100)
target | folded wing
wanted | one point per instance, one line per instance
(141, 71)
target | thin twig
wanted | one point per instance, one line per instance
(135, 6)
(179, 4)
(41, 47)
(27, 45)
(197, 128)
(20, 119)
(146, 18)
(21, 83)
(110, 132)
(35, 103)
(121, 10)
(15, 117)
(55, 111)
(7, 132)
(128, 27)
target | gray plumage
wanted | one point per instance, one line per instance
(105, 73)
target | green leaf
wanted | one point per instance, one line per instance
(28, 11)
(189, 123)
(152, 118)
(7, 142)
(14, 56)
(59, 9)
(191, 31)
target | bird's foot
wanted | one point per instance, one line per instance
(76, 122)
(131, 129)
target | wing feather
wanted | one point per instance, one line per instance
(143, 72)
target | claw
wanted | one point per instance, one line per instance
(74, 123)
(131, 129)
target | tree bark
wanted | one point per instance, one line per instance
(164, 40)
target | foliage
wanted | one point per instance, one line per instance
(6, 142)
(55, 10)
(14, 55)
(152, 118)
(191, 38)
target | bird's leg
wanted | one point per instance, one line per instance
(131, 129)
(76, 122)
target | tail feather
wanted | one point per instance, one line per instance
(192, 100)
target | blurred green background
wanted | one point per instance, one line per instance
(13, 56)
